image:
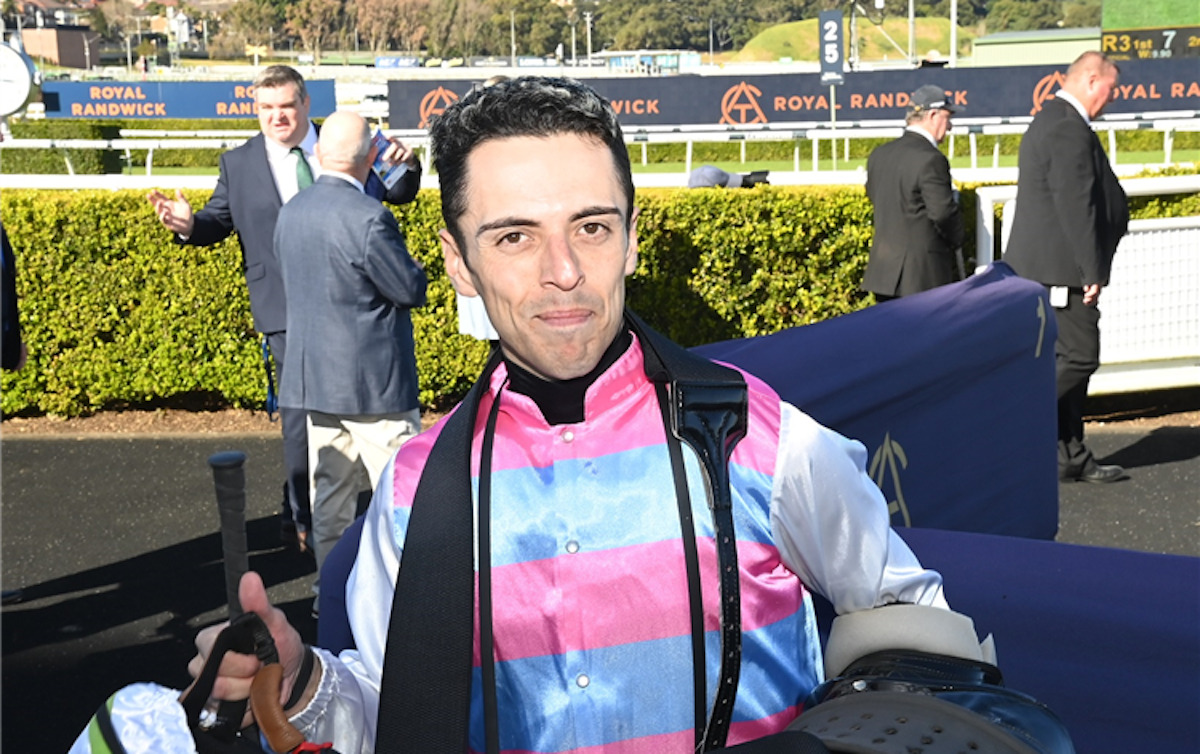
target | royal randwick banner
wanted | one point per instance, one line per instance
(1145, 86)
(167, 99)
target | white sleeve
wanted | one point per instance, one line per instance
(346, 706)
(831, 523)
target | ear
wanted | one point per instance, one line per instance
(631, 251)
(456, 266)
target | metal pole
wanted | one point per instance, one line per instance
(587, 16)
(833, 122)
(912, 34)
(512, 35)
(953, 33)
(574, 63)
(853, 36)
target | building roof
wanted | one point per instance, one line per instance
(1040, 35)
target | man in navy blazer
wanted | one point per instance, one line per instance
(13, 347)
(1071, 214)
(256, 179)
(351, 365)
(918, 228)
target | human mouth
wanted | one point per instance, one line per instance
(565, 318)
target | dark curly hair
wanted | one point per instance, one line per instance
(526, 106)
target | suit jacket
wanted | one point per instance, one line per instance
(350, 341)
(10, 321)
(1071, 210)
(918, 226)
(247, 200)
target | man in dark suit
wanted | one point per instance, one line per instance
(918, 228)
(351, 365)
(256, 179)
(13, 346)
(1071, 213)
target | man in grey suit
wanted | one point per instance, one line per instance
(918, 228)
(256, 179)
(1071, 213)
(350, 364)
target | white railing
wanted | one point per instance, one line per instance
(1150, 328)
(821, 135)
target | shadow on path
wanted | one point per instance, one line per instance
(1161, 446)
(74, 640)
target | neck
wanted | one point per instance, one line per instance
(562, 401)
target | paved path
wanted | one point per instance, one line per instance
(115, 543)
(1156, 510)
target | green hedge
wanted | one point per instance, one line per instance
(116, 314)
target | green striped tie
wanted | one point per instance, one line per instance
(304, 175)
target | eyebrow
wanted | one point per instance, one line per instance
(521, 222)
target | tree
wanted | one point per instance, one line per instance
(970, 12)
(470, 23)
(1082, 14)
(411, 28)
(375, 23)
(120, 17)
(540, 26)
(99, 23)
(441, 18)
(1023, 15)
(315, 22)
(251, 22)
(633, 25)
(694, 24)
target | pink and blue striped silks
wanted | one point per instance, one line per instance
(591, 615)
(592, 631)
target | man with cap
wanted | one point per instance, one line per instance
(918, 228)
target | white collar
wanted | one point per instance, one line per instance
(278, 151)
(1070, 99)
(345, 177)
(918, 130)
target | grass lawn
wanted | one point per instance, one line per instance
(798, 40)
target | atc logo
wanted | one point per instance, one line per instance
(1045, 90)
(739, 105)
(435, 103)
(887, 463)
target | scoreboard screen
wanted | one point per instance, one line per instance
(1151, 44)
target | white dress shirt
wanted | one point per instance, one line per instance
(1069, 98)
(283, 163)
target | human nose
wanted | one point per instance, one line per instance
(560, 266)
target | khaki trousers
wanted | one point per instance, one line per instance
(346, 455)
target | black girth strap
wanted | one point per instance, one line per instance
(708, 412)
(425, 691)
